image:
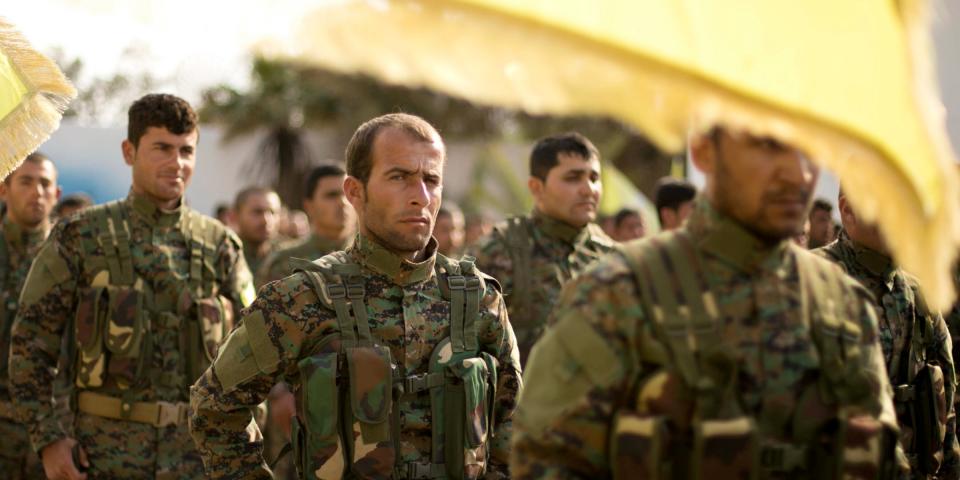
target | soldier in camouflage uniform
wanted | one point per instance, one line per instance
(146, 287)
(719, 350)
(403, 362)
(332, 223)
(533, 256)
(916, 347)
(257, 217)
(30, 193)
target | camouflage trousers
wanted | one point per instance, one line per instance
(17, 460)
(130, 450)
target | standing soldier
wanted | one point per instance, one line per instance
(30, 192)
(403, 361)
(332, 223)
(719, 350)
(535, 255)
(147, 288)
(257, 215)
(916, 347)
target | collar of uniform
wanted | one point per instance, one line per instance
(401, 271)
(726, 239)
(558, 230)
(151, 213)
(876, 263)
(18, 238)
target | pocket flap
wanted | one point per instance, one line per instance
(318, 395)
(90, 310)
(371, 383)
(124, 321)
(475, 373)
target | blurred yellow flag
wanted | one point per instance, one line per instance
(850, 82)
(33, 95)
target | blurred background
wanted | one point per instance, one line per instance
(267, 122)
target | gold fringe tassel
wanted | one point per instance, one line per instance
(38, 115)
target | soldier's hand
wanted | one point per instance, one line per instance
(282, 409)
(58, 460)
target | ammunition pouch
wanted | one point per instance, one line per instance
(110, 329)
(209, 320)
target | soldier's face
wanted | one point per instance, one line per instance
(449, 233)
(764, 185)
(328, 208)
(259, 217)
(571, 191)
(821, 227)
(31, 192)
(162, 164)
(398, 205)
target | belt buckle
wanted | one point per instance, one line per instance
(170, 413)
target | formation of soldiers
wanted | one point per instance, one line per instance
(134, 343)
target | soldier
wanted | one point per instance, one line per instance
(332, 223)
(674, 202)
(821, 224)
(403, 361)
(449, 230)
(533, 256)
(719, 350)
(71, 204)
(30, 192)
(916, 347)
(628, 225)
(147, 287)
(257, 215)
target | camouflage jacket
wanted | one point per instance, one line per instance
(19, 248)
(584, 371)
(533, 257)
(160, 258)
(276, 265)
(406, 313)
(898, 308)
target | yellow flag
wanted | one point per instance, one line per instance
(33, 95)
(850, 82)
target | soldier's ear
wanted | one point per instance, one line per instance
(129, 151)
(702, 153)
(536, 187)
(353, 188)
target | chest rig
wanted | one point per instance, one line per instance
(349, 401)
(119, 310)
(686, 418)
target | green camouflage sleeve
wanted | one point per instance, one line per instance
(940, 351)
(47, 304)
(498, 340)
(575, 377)
(493, 258)
(263, 349)
(237, 285)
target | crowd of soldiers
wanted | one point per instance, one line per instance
(142, 339)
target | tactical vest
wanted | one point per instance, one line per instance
(348, 402)
(8, 311)
(685, 419)
(116, 315)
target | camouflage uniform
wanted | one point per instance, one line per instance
(146, 294)
(17, 250)
(630, 381)
(276, 265)
(289, 330)
(533, 257)
(952, 318)
(911, 336)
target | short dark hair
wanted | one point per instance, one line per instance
(360, 148)
(319, 173)
(35, 158)
(822, 204)
(74, 200)
(246, 193)
(545, 152)
(159, 110)
(623, 214)
(449, 209)
(673, 192)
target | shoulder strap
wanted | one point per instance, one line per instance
(520, 244)
(113, 237)
(676, 295)
(341, 285)
(461, 283)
